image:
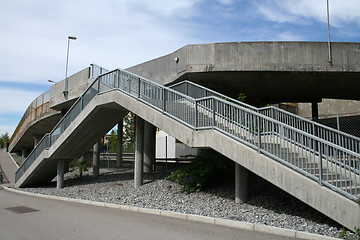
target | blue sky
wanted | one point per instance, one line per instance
(122, 33)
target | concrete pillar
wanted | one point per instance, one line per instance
(24, 153)
(36, 140)
(96, 159)
(139, 152)
(119, 145)
(60, 173)
(241, 183)
(149, 147)
(314, 110)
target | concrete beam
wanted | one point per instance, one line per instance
(139, 152)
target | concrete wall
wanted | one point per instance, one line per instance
(172, 149)
(251, 56)
(77, 84)
(44, 112)
(330, 107)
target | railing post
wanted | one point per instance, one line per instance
(118, 78)
(196, 114)
(320, 163)
(164, 99)
(81, 103)
(259, 134)
(98, 84)
(139, 88)
(214, 113)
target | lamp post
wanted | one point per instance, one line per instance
(67, 64)
(328, 22)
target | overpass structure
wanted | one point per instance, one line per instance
(314, 163)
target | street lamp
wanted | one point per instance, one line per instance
(51, 81)
(328, 21)
(67, 64)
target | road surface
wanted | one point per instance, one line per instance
(28, 217)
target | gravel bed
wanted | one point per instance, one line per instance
(266, 205)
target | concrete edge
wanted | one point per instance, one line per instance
(17, 166)
(191, 217)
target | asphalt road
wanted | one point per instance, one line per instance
(53, 219)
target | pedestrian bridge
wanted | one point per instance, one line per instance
(316, 164)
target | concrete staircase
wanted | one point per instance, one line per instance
(316, 179)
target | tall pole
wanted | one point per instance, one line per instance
(328, 21)
(67, 64)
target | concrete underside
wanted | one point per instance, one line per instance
(37, 129)
(266, 72)
(105, 110)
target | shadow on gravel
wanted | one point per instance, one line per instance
(265, 195)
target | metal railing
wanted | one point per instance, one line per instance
(331, 165)
(332, 135)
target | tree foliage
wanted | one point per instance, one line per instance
(112, 142)
(4, 139)
(129, 134)
(206, 170)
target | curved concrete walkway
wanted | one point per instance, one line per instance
(125, 222)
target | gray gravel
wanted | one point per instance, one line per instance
(267, 204)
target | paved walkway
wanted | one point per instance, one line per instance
(8, 166)
(29, 217)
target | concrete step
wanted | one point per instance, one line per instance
(305, 164)
(340, 182)
(352, 190)
(330, 176)
(316, 171)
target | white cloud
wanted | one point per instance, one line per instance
(289, 36)
(7, 129)
(112, 33)
(16, 101)
(341, 11)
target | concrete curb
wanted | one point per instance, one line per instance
(190, 217)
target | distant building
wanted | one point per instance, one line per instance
(167, 147)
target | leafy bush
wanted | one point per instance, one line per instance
(208, 169)
(81, 164)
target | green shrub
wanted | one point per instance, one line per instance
(81, 164)
(208, 169)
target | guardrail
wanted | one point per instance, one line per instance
(332, 135)
(307, 154)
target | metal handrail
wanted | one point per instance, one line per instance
(327, 133)
(326, 162)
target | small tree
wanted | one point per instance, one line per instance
(4, 139)
(129, 134)
(113, 142)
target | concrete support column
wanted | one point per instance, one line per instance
(119, 146)
(314, 110)
(139, 152)
(241, 184)
(24, 153)
(149, 147)
(96, 159)
(60, 173)
(36, 140)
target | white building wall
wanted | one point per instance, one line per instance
(167, 147)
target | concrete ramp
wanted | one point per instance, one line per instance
(276, 152)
